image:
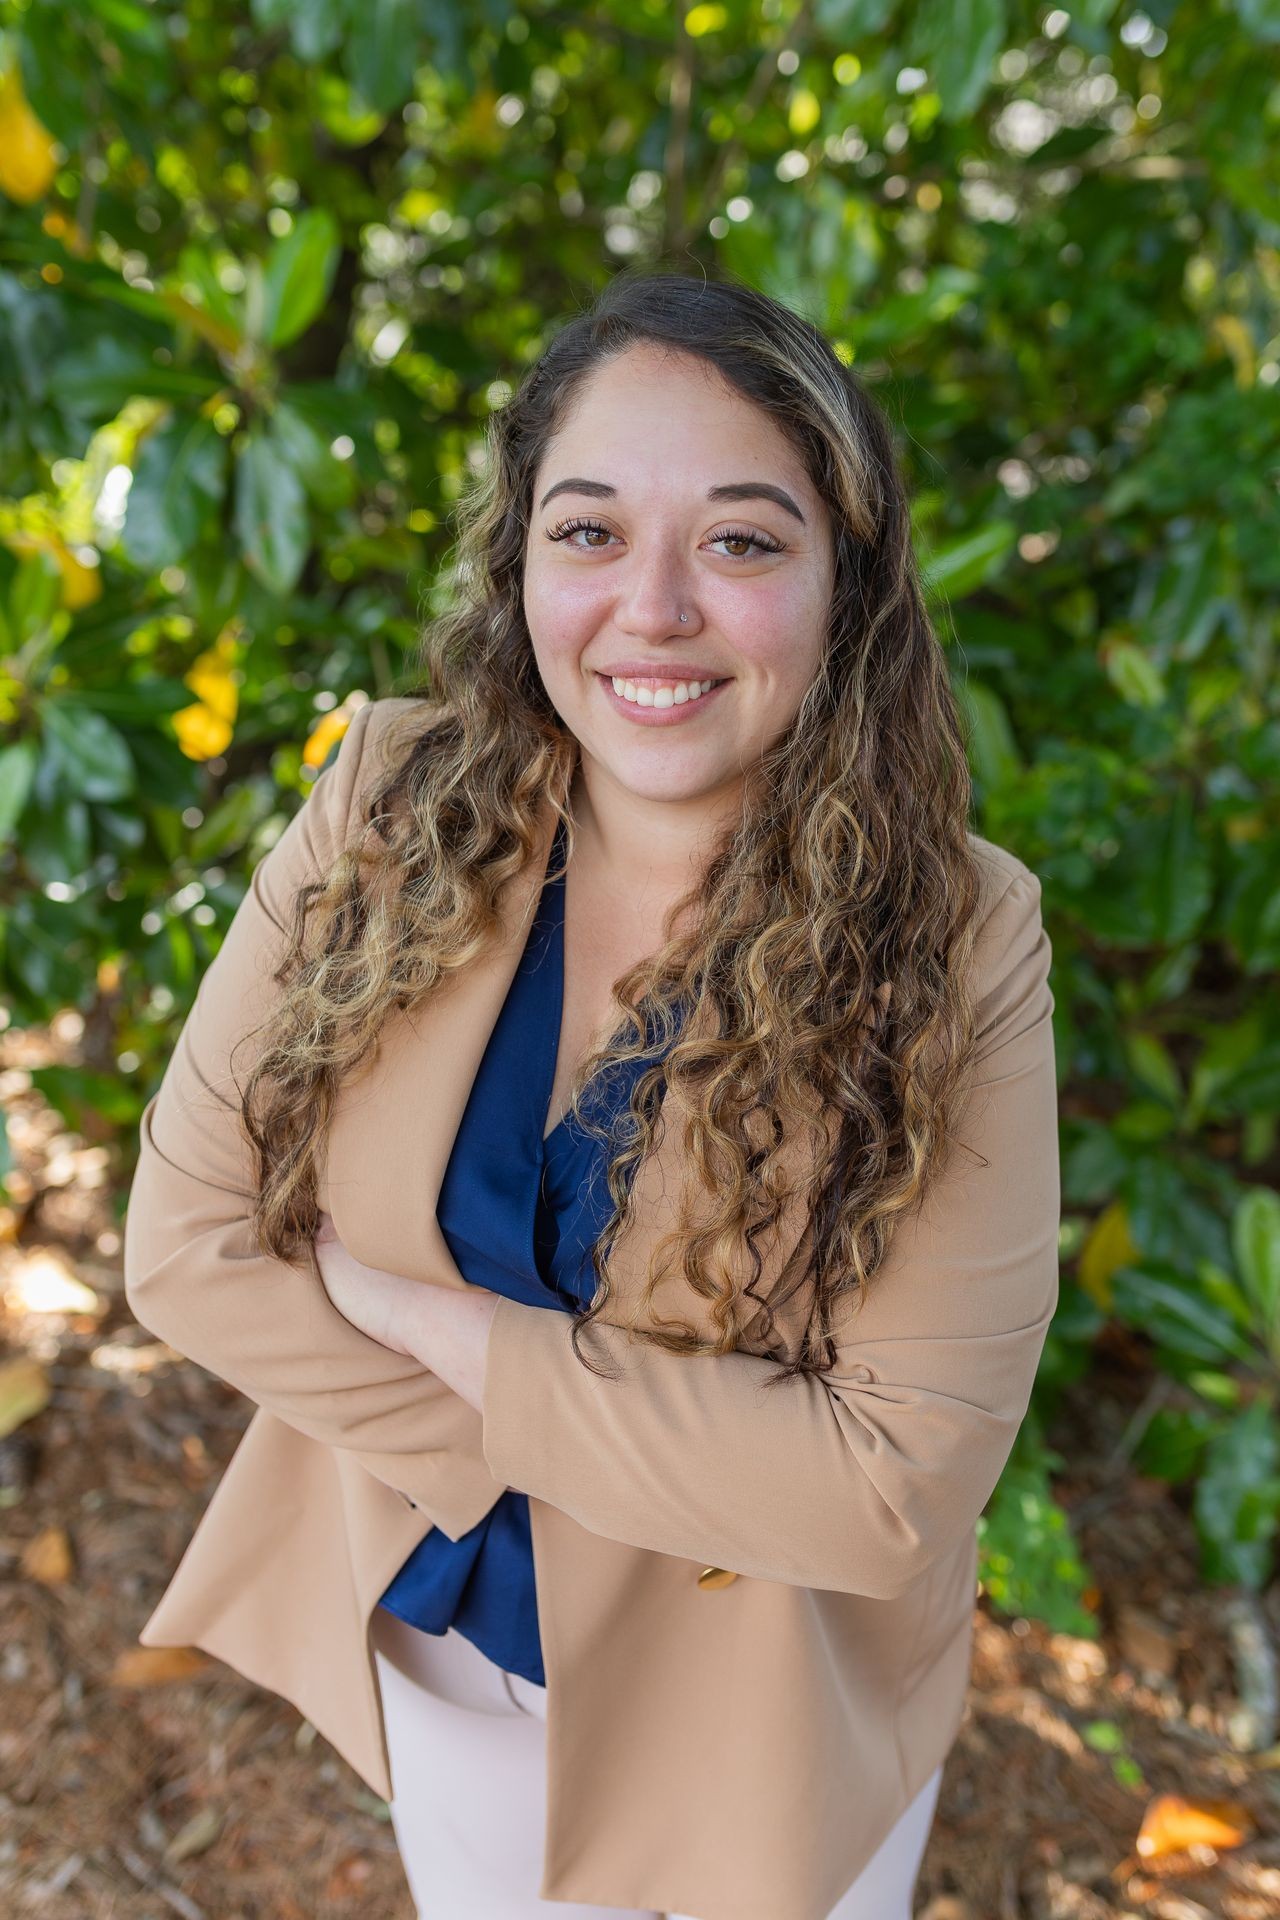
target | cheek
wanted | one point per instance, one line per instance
(776, 631)
(561, 611)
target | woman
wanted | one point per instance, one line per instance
(700, 1057)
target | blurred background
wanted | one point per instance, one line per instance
(264, 270)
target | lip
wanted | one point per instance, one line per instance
(658, 716)
(660, 670)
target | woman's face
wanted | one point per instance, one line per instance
(663, 462)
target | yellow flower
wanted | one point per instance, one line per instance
(27, 150)
(330, 727)
(207, 728)
(81, 585)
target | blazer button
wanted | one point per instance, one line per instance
(716, 1577)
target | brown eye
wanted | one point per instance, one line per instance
(762, 543)
(566, 527)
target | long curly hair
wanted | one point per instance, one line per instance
(813, 1022)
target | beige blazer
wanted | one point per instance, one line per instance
(755, 1608)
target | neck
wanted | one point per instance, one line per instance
(652, 848)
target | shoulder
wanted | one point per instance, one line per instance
(1012, 952)
(999, 870)
(378, 733)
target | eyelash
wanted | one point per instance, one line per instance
(766, 543)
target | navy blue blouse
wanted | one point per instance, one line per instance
(519, 1215)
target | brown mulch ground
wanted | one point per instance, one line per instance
(204, 1796)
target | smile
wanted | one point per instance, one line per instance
(659, 702)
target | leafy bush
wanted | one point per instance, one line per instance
(263, 270)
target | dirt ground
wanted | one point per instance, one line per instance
(133, 1791)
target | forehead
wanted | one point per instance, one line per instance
(660, 412)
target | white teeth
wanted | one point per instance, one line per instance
(673, 695)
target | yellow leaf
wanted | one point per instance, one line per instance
(202, 733)
(212, 676)
(47, 1558)
(207, 728)
(156, 1666)
(1237, 342)
(330, 727)
(702, 20)
(24, 1392)
(1109, 1246)
(28, 158)
(81, 585)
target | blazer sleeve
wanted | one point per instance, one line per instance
(860, 1481)
(193, 1274)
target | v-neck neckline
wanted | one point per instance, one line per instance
(553, 891)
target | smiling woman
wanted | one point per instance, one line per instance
(705, 1036)
(658, 588)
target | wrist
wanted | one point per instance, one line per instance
(447, 1331)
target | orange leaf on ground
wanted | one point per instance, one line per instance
(156, 1666)
(1174, 1825)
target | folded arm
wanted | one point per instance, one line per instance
(855, 1484)
(193, 1274)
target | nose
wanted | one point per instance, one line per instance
(654, 590)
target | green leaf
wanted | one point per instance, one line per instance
(1153, 1064)
(34, 595)
(17, 770)
(993, 750)
(1173, 1443)
(330, 482)
(1255, 1240)
(56, 847)
(958, 567)
(93, 759)
(298, 276)
(1177, 1315)
(384, 45)
(78, 1093)
(270, 515)
(180, 477)
(315, 26)
(1027, 1558)
(1237, 1498)
(1134, 674)
(956, 41)
(845, 18)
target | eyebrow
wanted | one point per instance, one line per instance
(738, 490)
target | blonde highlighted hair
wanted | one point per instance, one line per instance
(819, 995)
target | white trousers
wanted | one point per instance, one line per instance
(467, 1746)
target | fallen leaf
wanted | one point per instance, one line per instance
(24, 1392)
(47, 1558)
(1174, 1825)
(199, 1833)
(156, 1666)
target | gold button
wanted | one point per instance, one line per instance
(716, 1577)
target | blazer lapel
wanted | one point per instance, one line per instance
(396, 1121)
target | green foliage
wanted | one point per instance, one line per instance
(265, 267)
(1027, 1560)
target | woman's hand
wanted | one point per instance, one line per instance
(444, 1328)
(379, 1303)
